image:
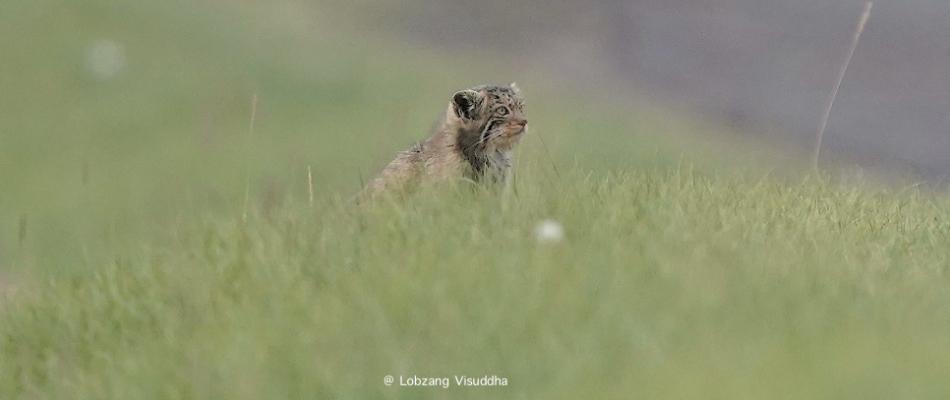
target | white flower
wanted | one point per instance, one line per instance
(549, 231)
(105, 59)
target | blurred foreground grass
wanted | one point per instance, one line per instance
(126, 145)
(666, 285)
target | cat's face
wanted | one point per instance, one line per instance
(494, 113)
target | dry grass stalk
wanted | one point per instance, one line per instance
(247, 175)
(841, 74)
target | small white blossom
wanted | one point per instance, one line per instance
(105, 59)
(549, 231)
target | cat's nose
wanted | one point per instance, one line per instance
(521, 122)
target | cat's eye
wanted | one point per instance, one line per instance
(503, 111)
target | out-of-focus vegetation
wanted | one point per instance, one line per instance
(128, 271)
(120, 119)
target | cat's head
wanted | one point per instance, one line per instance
(494, 116)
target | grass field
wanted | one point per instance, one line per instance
(128, 271)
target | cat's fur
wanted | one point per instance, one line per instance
(473, 141)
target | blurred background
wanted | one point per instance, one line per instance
(121, 118)
(763, 67)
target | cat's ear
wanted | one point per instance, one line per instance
(465, 103)
(514, 88)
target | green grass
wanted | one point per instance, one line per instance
(134, 275)
(667, 285)
(96, 165)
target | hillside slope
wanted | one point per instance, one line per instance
(137, 275)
